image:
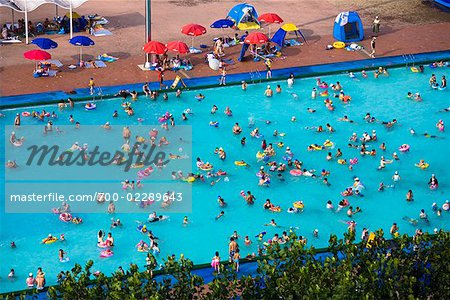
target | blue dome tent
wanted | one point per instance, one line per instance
(244, 16)
(348, 27)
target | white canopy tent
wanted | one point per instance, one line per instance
(26, 6)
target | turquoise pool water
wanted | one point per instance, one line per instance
(384, 98)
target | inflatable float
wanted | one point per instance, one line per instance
(296, 172)
(65, 217)
(404, 148)
(90, 106)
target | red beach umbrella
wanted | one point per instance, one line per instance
(270, 18)
(37, 55)
(177, 46)
(256, 38)
(155, 47)
(193, 30)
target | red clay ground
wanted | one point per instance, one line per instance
(407, 27)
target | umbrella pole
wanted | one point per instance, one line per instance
(71, 23)
(192, 41)
(26, 24)
(12, 20)
(81, 54)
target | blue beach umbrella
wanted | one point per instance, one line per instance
(222, 23)
(81, 41)
(45, 43)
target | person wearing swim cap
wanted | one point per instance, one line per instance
(268, 92)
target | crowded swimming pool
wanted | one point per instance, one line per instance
(385, 98)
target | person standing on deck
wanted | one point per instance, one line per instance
(91, 85)
(372, 46)
(376, 26)
(232, 247)
(161, 79)
(223, 76)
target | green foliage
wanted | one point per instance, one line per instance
(402, 268)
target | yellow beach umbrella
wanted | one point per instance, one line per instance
(75, 15)
(289, 27)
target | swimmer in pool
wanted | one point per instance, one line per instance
(11, 164)
(310, 110)
(107, 125)
(214, 109)
(244, 85)
(220, 215)
(268, 92)
(278, 89)
(427, 135)
(345, 119)
(389, 124)
(272, 223)
(445, 109)
(237, 129)
(384, 162)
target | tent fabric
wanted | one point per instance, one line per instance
(243, 50)
(243, 14)
(289, 27)
(30, 5)
(279, 36)
(348, 27)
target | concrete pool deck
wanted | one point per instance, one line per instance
(414, 28)
(250, 77)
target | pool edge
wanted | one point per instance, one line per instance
(16, 101)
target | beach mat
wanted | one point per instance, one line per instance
(102, 32)
(98, 63)
(10, 41)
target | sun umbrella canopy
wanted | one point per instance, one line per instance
(177, 46)
(256, 38)
(193, 29)
(222, 23)
(37, 55)
(81, 40)
(155, 47)
(270, 18)
(45, 43)
(289, 27)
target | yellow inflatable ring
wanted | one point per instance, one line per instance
(189, 179)
(423, 167)
(338, 45)
(51, 241)
(298, 204)
(240, 163)
(341, 161)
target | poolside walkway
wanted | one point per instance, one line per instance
(421, 38)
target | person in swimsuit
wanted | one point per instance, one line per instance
(232, 247)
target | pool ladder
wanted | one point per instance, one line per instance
(255, 76)
(97, 92)
(409, 58)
